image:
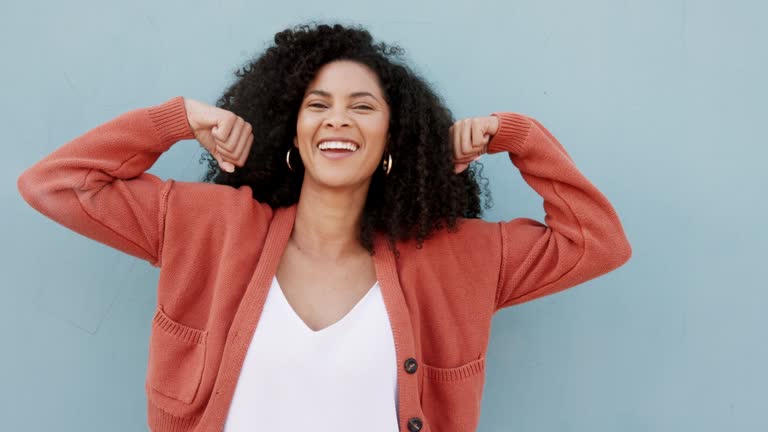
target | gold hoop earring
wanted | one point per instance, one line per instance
(386, 164)
(288, 159)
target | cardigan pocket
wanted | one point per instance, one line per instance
(176, 357)
(451, 397)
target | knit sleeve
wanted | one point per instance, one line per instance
(96, 184)
(581, 237)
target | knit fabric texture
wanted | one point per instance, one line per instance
(217, 250)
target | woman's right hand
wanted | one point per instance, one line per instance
(225, 135)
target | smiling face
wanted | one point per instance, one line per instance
(344, 103)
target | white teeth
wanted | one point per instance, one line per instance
(337, 145)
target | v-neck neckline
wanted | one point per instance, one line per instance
(249, 312)
(295, 316)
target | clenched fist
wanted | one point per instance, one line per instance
(469, 139)
(225, 135)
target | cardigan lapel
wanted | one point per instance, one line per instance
(402, 330)
(247, 316)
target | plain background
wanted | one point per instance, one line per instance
(660, 103)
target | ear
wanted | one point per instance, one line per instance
(296, 142)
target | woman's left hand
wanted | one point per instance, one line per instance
(469, 139)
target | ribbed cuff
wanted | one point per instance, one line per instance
(512, 134)
(170, 121)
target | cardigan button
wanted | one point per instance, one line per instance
(411, 365)
(414, 424)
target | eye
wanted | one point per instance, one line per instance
(323, 106)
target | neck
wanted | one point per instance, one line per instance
(328, 222)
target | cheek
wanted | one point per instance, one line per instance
(378, 128)
(305, 127)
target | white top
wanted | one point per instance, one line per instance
(295, 379)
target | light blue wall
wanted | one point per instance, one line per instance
(659, 103)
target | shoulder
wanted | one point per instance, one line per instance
(455, 268)
(220, 199)
(468, 232)
(474, 241)
(214, 206)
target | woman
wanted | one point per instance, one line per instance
(332, 270)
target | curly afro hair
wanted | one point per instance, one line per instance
(420, 195)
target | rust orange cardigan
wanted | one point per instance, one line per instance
(217, 250)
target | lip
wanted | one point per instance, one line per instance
(337, 155)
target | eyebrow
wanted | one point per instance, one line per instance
(355, 94)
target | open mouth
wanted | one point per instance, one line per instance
(338, 147)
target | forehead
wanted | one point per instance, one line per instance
(345, 77)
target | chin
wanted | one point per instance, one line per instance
(340, 180)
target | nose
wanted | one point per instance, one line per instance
(336, 118)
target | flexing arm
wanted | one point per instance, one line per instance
(96, 184)
(582, 237)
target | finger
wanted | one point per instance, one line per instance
(241, 155)
(243, 147)
(223, 154)
(228, 148)
(466, 138)
(222, 130)
(456, 140)
(234, 136)
(236, 153)
(225, 162)
(247, 150)
(479, 139)
(226, 166)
